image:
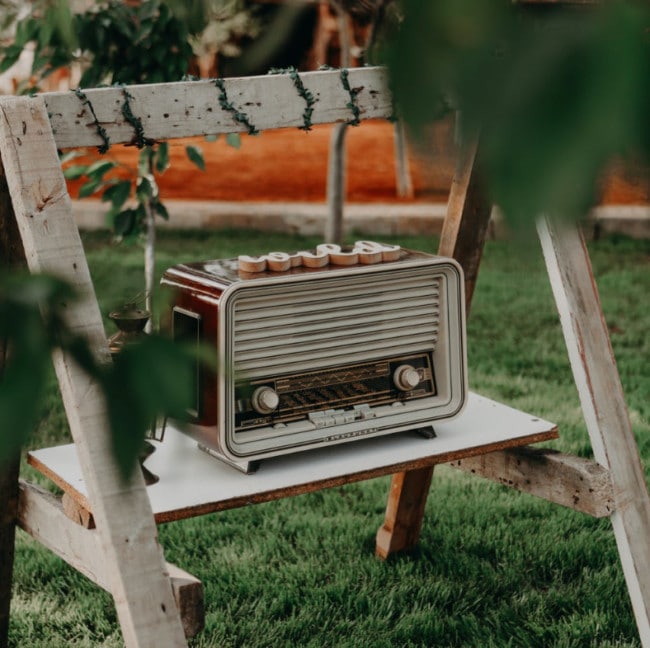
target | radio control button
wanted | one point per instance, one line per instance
(406, 378)
(264, 400)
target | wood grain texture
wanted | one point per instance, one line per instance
(404, 511)
(463, 237)
(603, 404)
(138, 581)
(468, 215)
(574, 482)
(41, 515)
(193, 108)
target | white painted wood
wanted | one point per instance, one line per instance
(192, 482)
(574, 482)
(603, 404)
(138, 579)
(41, 515)
(192, 108)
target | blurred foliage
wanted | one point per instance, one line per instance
(556, 90)
(115, 43)
(146, 380)
(117, 182)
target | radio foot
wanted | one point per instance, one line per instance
(427, 432)
(246, 467)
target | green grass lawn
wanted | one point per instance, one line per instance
(493, 568)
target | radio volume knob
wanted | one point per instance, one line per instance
(406, 378)
(264, 400)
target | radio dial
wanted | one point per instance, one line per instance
(406, 378)
(265, 400)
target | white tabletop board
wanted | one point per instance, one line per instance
(193, 483)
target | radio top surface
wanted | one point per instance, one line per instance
(326, 258)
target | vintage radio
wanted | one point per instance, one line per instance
(320, 347)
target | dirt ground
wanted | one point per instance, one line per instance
(291, 165)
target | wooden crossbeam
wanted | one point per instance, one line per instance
(193, 108)
(41, 515)
(574, 482)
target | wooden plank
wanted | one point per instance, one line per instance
(193, 483)
(188, 593)
(138, 580)
(603, 405)
(77, 512)
(574, 482)
(404, 511)
(41, 515)
(463, 237)
(193, 108)
(468, 216)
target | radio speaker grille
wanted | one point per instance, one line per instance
(335, 321)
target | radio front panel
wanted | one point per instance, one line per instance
(314, 356)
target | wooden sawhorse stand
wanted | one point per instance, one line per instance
(614, 484)
(122, 553)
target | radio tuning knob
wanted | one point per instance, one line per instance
(406, 378)
(264, 400)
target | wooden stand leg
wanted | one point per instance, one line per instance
(404, 511)
(463, 238)
(137, 574)
(603, 405)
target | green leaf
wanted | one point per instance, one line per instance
(144, 189)
(118, 193)
(145, 161)
(68, 156)
(161, 210)
(27, 30)
(99, 168)
(75, 171)
(195, 154)
(31, 325)
(89, 188)
(21, 391)
(124, 222)
(162, 157)
(10, 55)
(234, 140)
(44, 34)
